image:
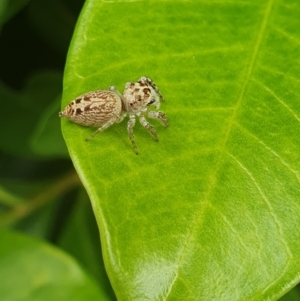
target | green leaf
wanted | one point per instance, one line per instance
(210, 212)
(293, 295)
(83, 229)
(21, 112)
(8, 8)
(32, 270)
(8, 198)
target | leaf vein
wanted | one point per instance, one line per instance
(286, 34)
(265, 199)
(278, 99)
(286, 75)
(200, 212)
(285, 164)
(233, 230)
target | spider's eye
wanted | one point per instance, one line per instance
(151, 102)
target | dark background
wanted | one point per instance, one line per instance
(34, 38)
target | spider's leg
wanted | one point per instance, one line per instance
(148, 126)
(101, 129)
(158, 115)
(130, 126)
(121, 117)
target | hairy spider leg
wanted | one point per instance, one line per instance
(158, 115)
(130, 126)
(102, 128)
(148, 126)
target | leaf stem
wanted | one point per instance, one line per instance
(59, 187)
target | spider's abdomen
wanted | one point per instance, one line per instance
(94, 108)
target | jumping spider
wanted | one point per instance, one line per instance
(102, 108)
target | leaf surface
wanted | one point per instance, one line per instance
(50, 274)
(210, 212)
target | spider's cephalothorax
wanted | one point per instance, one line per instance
(141, 94)
(137, 98)
(102, 108)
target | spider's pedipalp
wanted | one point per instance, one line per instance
(158, 115)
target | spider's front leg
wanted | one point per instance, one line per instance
(130, 126)
(148, 126)
(158, 115)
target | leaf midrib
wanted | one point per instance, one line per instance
(197, 219)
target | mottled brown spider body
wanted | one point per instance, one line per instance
(94, 108)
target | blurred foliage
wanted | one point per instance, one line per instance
(40, 193)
